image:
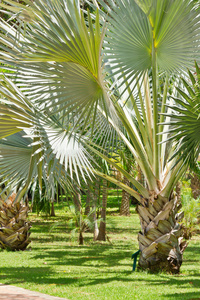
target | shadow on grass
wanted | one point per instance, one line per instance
(85, 256)
(45, 227)
(49, 239)
(191, 251)
(40, 275)
(46, 276)
(98, 255)
(102, 269)
(189, 296)
(99, 264)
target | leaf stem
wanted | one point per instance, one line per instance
(155, 112)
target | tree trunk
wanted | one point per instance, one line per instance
(77, 201)
(14, 224)
(87, 206)
(95, 198)
(160, 240)
(102, 227)
(125, 203)
(80, 238)
(195, 185)
(52, 214)
(178, 190)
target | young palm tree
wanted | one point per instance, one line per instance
(75, 69)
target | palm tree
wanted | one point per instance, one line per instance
(116, 66)
(80, 223)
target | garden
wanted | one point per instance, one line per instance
(55, 264)
(100, 148)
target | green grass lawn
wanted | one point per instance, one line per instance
(56, 265)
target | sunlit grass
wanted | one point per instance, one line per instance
(56, 265)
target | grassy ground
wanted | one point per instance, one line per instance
(56, 265)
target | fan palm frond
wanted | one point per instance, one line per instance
(58, 59)
(186, 118)
(136, 24)
(35, 145)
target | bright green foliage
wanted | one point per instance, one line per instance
(79, 223)
(191, 209)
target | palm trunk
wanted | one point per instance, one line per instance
(125, 203)
(52, 214)
(178, 190)
(102, 228)
(14, 225)
(160, 239)
(80, 238)
(77, 201)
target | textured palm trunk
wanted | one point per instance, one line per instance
(178, 190)
(195, 185)
(14, 225)
(160, 239)
(102, 227)
(125, 203)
